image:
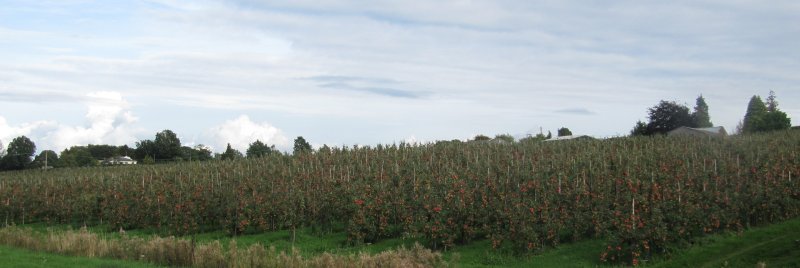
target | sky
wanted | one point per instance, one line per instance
(77, 72)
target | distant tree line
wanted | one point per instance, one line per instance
(669, 115)
(165, 147)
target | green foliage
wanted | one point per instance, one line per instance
(762, 117)
(301, 146)
(564, 132)
(504, 138)
(700, 115)
(230, 153)
(148, 160)
(772, 102)
(167, 144)
(16, 257)
(640, 129)
(125, 150)
(76, 156)
(666, 116)
(145, 148)
(641, 195)
(537, 138)
(102, 151)
(19, 153)
(754, 116)
(481, 137)
(197, 153)
(259, 149)
(45, 159)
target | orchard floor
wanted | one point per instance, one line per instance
(777, 245)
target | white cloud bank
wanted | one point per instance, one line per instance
(242, 131)
(110, 121)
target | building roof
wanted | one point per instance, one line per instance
(119, 159)
(714, 131)
(570, 137)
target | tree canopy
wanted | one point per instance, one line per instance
(504, 137)
(259, 149)
(145, 148)
(77, 156)
(481, 137)
(45, 159)
(564, 132)
(764, 117)
(197, 153)
(666, 116)
(301, 145)
(700, 115)
(18, 155)
(102, 151)
(168, 146)
(640, 129)
(230, 153)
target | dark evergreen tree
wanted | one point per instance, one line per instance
(753, 118)
(765, 117)
(230, 153)
(700, 115)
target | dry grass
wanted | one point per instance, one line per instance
(173, 251)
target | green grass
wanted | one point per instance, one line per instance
(776, 245)
(22, 258)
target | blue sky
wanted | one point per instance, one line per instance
(76, 72)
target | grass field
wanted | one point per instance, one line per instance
(775, 246)
(22, 258)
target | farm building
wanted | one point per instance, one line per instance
(119, 160)
(571, 137)
(700, 132)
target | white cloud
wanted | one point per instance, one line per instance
(9, 132)
(433, 69)
(109, 122)
(242, 131)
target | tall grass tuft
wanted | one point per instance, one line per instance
(173, 251)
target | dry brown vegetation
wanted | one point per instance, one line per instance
(182, 252)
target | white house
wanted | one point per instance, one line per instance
(119, 160)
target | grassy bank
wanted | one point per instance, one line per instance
(23, 258)
(774, 245)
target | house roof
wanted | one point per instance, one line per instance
(119, 158)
